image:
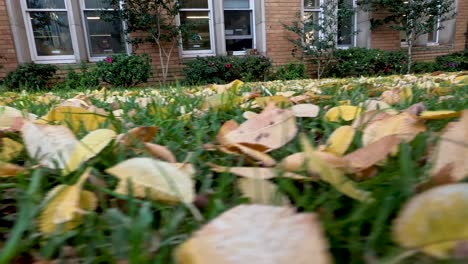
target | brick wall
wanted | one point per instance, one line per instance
(277, 13)
(461, 25)
(7, 48)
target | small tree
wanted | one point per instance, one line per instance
(317, 36)
(151, 21)
(413, 17)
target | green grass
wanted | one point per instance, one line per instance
(143, 231)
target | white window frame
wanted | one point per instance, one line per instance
(30, 34)
(436, 34)
(252, 26)
(319, 9)
(201, 53)
(85, 30)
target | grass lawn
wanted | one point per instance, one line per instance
(143, 230)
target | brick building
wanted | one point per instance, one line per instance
(67, 32)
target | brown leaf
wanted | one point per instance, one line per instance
(160, 152)
(257, 172)
(305, 110)
(259, 234)
(265, 159)
(9, 169)
(137, 134)
(225, 129)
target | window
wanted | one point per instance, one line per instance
(346, 25)
(48, 27)
(239, 21)
(199, 38)
(103, 37)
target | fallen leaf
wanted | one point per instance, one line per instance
(249, 114)
(160, 152)
(9, 116)
(397, 96)
(452, 150)
(441, 114)
(305, 110)
(221, 88)
(369, 117)
(265, 159)
(225, 129)
(9, 169)
(277, 235)
(137, 135)
(261, 192)
(257, 172)
(297, 162)
(278, 100)
(434, 221)
(223, 101)
(75, 117)
(161, 181)
(344, 112)
(340, 140)
(66, 204)
(9, 149)
(272, 128)
(331, 175)
(377, 105)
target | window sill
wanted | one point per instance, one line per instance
(65, 61)
(430, 46)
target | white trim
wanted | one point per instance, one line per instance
(30, 35)
(203, 53)
(83, 9)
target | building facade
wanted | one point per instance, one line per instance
(68, 32)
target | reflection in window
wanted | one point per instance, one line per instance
(50, 29)
(238, 21)
(195, 16)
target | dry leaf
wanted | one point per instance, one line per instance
(305, 110)
(257, 172)
(277, 235)
(452, 150)
(332, 175)
(221, 88)
(272, 128)
(9, 117)
(9, 149)
(66, 204)
(441, 114)
(265, 159)
(373, 153)
(396, 96)
(249, 114)
(377, 105)
(340, 140)
(344, 112)
(369, 117)
(75, 117)
(434, 221)
(297, 162)
(277, 100)
(160, 152)
(9, 169)
(225, 129)
(161, 181)
(261, 192)
(137, 135)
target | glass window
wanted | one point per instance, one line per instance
(46, 4)
(105, 34)
(345, 23)
(311, 4)
(198, 37)
(194, 4)
(238, 25)
(49, 29)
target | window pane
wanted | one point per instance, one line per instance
(198, 35)
(311, 18)
(238, 44)
(59, 4)
(311, 3)
(105, 37)
(97, 4)
(233, 4)
(194, 3)
(345, 30)
(237, 23)
(51, 33)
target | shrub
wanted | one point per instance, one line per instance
(425, 66)
(224, 69)
(291, 71)
(83, 78)
(124, 70)
(457, 61)
(355, 62)
(30, 76)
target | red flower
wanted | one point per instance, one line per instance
(387, 69)
(109, 59)
(228, 65)
(211, 64)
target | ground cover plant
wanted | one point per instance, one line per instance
(363, 170)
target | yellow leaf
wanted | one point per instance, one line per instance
(344, 112)
(434, 221)
(369, 117)
(278, 100)
(332, 175)
(441, 114)
(340, 140)
(65, 206)
(161, 180)
(257, 172)
(452, 151)
(261, 192)
(88, 147)
(259, 234)
(75, 117)
(223, 101)
(305, 110)
(10, 149)
(297, 162)
(221, 88)
(272, 128)
(8, 169)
